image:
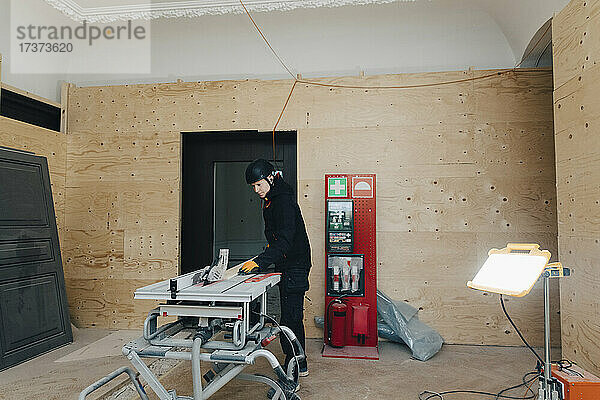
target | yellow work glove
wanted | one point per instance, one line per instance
(248, 267)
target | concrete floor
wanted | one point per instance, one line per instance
(44, 378)
(394, 376)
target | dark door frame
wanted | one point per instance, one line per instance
(199, 151)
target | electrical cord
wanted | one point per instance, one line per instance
(528, 389)
(440, 395)
(518, 331)
(281, 115)
(499, 395)
(560, 363)
(563, 364)
(286, 335)
(266, 41)
(525, 382)
(297, 78)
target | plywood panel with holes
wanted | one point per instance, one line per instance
(429, 272)
(450, 162)
(579, 300)
(581, 106)
(93, 254)
(577, 116)
(251, 104)
(105, 157)
(106, 302)
(517, 96)
(575, 39)
(121, 205)
(151, 254)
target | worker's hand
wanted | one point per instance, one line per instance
(249, 267)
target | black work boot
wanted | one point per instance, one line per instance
(303, 368)
(302, 364)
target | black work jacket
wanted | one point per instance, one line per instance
(288, 248)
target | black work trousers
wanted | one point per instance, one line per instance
(292, 316)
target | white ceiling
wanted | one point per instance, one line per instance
(115, 10)
(518, 19)
(397, 37)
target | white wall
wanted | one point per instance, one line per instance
(398, 37)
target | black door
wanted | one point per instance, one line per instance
(218, 207)
(34, 314)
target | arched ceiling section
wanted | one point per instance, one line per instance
(539, 50)
(519, 20)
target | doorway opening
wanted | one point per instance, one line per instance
(218, 208)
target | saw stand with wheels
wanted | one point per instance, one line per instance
(215, 325)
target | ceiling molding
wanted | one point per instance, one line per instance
(192, 8)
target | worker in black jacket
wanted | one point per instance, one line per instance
(288, 248)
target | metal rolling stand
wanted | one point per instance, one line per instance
(214, 324)
(550, 388)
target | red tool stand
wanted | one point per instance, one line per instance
(351, 267)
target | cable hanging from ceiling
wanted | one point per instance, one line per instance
(366, 87)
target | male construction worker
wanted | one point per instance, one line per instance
(288, 248)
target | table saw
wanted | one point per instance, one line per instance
(220, 322)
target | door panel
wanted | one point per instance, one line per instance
(30, 312)
(33, 305)
(22, 201)
(25, 251)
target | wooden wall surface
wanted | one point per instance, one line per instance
(576, 49)
(461, 168)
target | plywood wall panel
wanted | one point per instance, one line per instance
(87, 301)
(514, 143)
(122, 205)
(236, 105)
(150, 253)
(518, 96)
(123, 158)
(454, 205)
(581, 107)
(579, 300)
(445, 156)
(107, 303)
(96, 254)
(576, 40)
(125, 183)
(577, 117)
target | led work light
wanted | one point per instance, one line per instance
(513, 271)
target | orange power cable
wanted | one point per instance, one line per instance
(281, 114)
(528, 388)
(266, 41)
(389, 87)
